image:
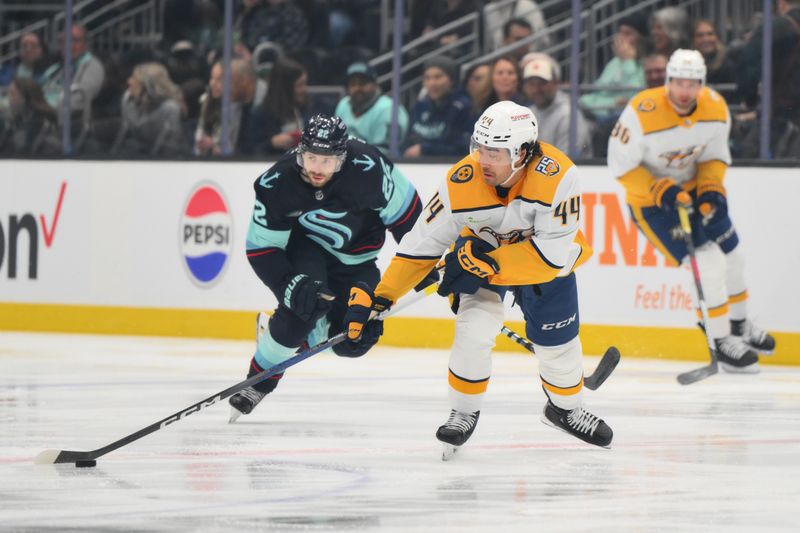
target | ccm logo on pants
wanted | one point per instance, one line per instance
(561, 324)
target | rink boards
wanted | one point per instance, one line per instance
(157, 248)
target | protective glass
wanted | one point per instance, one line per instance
(481, 153)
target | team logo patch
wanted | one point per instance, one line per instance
(682, 158)
(548, 167)
(647, 105)
(511, 237)
(205, 241)
(462, 174)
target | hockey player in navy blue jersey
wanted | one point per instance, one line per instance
(319, 222)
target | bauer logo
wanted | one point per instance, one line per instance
(206, 228)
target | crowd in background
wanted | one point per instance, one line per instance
(168, 102)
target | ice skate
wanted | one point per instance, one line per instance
(243, 402)
(456, 431)
(756, 338)
(580, 423)
(736, 356)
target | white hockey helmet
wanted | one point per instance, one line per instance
(509, 126)
(686, 64)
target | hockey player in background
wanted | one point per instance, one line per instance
(320, 220)
(670, 147)
(512, 207)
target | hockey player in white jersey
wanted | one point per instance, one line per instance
(670, 147)
(512, 207)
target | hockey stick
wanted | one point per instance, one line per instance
(692, 376)
(87, 458)
(605, 367)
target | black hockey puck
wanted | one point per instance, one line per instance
(85, 464)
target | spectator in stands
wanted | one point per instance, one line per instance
(205, 32)
(516, 30)
(249, 91)
(278, 21)
(33, 58)
(785, 63)
(552, 107)
(33, 122)
(368, 113)
(721, 66)
(208, 135)
(669, 30)
(477, 85)
(184, 65)
(496, 14)
(655, 70)
(276, 125)
(442, 122)
(624, 69)
(505, 77)
(88, 74)
(438, 14)
(151, 114)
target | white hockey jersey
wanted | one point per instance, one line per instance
(534, 227)
(651, 141)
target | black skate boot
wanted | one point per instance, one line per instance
(579, 423)
(736, 356)
(755, 337)
(456, 431)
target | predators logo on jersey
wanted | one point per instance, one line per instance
(683, 157)
(511, 237)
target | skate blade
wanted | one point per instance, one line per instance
(546, 422)
(448, 451)
(234, 416)
(749, 369)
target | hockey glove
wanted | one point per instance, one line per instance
(307, 298)
(668, 195)
(360, 329)
(712, 205)
(467, 268)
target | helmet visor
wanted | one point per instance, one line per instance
(322, 163)
(480, 153)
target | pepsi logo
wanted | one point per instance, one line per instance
(205, 234)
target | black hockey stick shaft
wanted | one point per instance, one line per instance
(67, 456)
(605, 367)
(693, 376)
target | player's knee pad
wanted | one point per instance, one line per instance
(735, 271)
(479, 319)
(713, 273)
(561, 372)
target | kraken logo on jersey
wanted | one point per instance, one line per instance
(463, 174)
(548, 167)
(683, 157)
(511, 237)
(324, 230)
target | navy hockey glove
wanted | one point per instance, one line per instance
(668, 195)
(467, 267)
(360, 329)
(307, 298)
(712, 205)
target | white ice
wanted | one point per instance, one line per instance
(348, 445)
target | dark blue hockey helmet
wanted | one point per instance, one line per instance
(325, 135)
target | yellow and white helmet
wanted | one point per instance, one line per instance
(509, 126)
(686, 64)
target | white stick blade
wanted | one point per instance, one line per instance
(47, 457)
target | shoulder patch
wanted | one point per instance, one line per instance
(266, 179)
(548, 166)
(647, 105)
(462, 174)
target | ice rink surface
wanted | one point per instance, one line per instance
(348, 445)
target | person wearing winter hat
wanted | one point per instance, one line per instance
(441, 122)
